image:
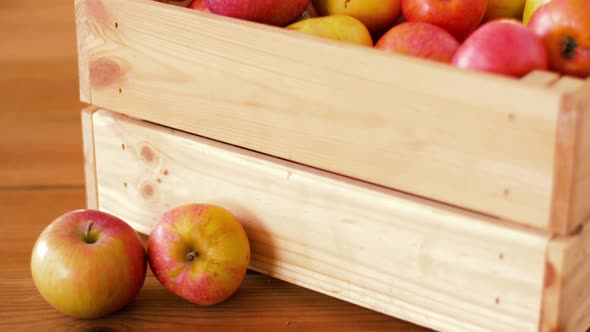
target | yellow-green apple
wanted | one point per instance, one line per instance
(503, 46)
(564, 28)
(275, 12)
(338, 27)
(376, 15)
(530, 7)
(199, 5)
(88, 264)
(459, 17)
(199, 252)
(504, 9)
(419, 39)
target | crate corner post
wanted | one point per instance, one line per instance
(89, 157)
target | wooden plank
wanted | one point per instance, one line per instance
(89, 158)
(413, 125)
(540, 78)
(572, 163)
(82, 40)
(411, 258)
(567, 298)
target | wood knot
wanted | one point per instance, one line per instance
(104, 72)
(147, 154)
(147, 191)
(550, 274)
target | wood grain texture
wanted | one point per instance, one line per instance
(572, 164)
(433, 265)
(417, 126)
(42, 176)
(540, 78)
(89, 160)
(567, 301)
(82, 37)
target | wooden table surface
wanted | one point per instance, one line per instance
(41, 177)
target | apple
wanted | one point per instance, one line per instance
(564, 28)
(199, 252)
(199, 5)
(376, 15)
(504, 47)
(419, 39)
(530, 7)
(274, 12)
(338, 27)
(459, 17)
(504, 9)
(88, 264)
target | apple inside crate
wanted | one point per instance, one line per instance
(425, 262)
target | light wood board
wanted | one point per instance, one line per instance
(411, 258)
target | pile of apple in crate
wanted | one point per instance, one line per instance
(509, 37)
(89, 264)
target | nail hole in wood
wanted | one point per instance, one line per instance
(123, 146)
(116, 25)
(125, 184)
(159, 180)
(120, 90)
(497, 300)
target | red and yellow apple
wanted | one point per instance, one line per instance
(530, 7)
(459, 17)
(88, 264)
(419, 39)
(199, 5)
(199, 252)
(337, 27)
(274, 12)
(564, 28)
(504, 47)
(376, 15)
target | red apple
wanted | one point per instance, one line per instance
(564, 28)
(502, 46)
(459, 17)
(88, 264)
(199, 5)
(199, 252)
(275, 12)
(419, 39)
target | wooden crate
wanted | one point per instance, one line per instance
(453, 199)
(425, 262)
(483, 142)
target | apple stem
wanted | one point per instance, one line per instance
(88, 228)
(568, 47)
(192, 255)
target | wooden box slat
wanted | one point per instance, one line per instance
(417, 260)
(482, 142)
(408, 257)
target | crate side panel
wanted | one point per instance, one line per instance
(413, 125)
(424, 262)
(571, 207)
(566, 304)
